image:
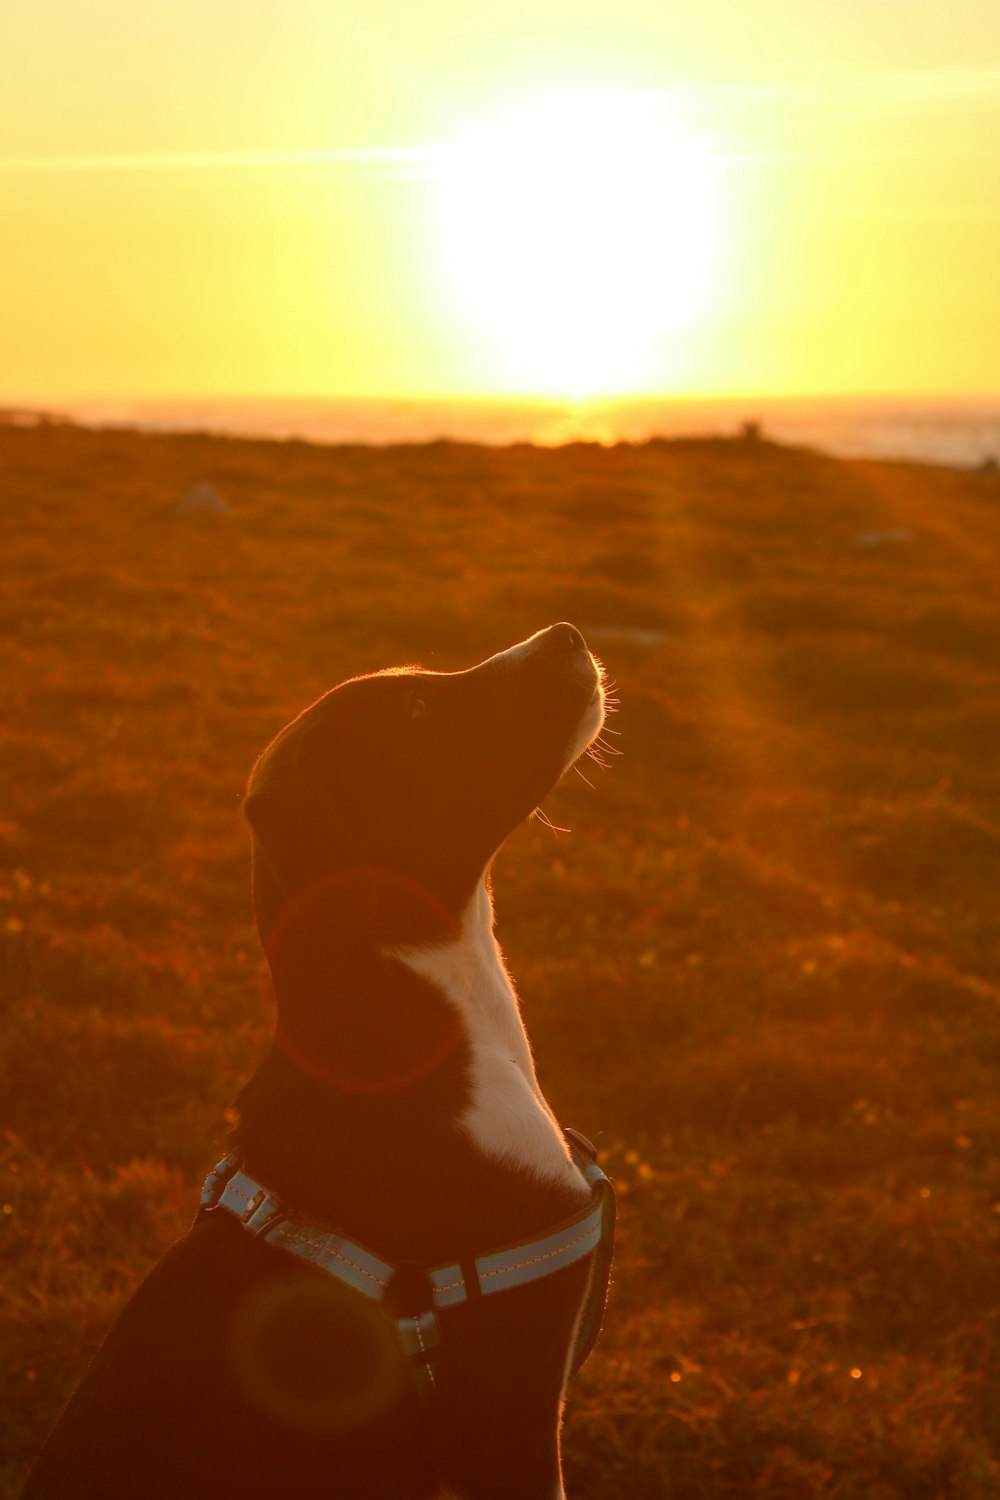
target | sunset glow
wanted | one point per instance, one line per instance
(618, 202)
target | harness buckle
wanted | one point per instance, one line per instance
(216, 1180)
(262, 1211)
(252, 1206)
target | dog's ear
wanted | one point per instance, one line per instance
(304, 854)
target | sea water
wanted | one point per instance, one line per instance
(960, 433)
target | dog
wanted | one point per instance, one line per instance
(402, 1255)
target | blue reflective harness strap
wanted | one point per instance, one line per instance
(420, 1338)
(518, 1264)
(411, 1295)
(264, 1215)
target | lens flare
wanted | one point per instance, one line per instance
(313, 1355)
(322, 1042)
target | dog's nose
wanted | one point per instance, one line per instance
(562, 637)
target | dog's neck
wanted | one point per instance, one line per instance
(506, 1116)
(410, 1117)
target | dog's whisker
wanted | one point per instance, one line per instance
(589, 783)
(543, 817)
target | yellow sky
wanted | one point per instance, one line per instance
(556, 197)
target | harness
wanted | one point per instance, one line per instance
(410, 1295)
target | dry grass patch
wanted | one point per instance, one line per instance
(761, 972)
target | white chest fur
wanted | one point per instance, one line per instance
(507, 1115)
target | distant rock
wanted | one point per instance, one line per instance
(202, 499)
(868, 541)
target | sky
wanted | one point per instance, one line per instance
(556, 198)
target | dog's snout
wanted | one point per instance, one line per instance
(562, 637)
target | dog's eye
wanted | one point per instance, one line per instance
(419, 707)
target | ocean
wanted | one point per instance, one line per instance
(958, 433)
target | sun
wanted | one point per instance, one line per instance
(579, 237)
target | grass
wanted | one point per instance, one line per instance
(763, 971)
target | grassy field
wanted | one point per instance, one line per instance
(763, 971)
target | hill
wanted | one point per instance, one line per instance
(762, 972)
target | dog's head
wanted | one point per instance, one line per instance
(382, 805)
